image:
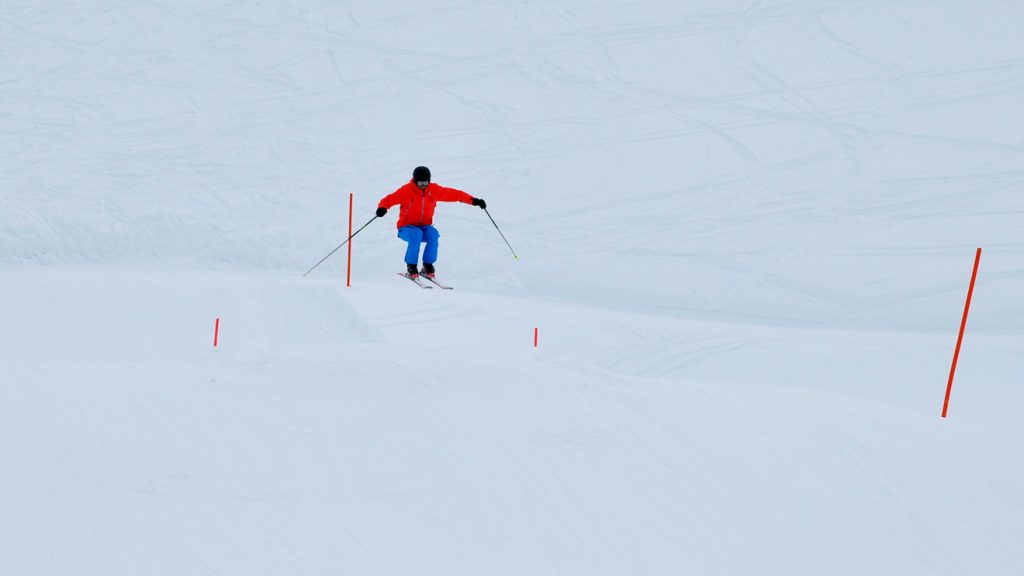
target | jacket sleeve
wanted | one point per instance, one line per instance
(452, 195)
(391, 199)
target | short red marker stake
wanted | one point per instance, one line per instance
(216, 331)
(960, 338)
(535, 335)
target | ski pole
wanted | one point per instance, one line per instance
(340, 245)
(502, 235)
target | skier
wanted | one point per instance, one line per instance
(417, 199)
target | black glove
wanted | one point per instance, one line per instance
(479, 202)
(381, 212)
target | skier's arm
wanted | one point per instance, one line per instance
(391, 199)
(452, 195)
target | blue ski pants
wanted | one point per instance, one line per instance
(414, 235)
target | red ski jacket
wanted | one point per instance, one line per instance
(417, 206)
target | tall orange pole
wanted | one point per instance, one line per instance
(960, 338)
(348, 275)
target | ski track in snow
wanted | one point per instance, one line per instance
(745, 232)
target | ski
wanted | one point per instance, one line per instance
(435, 281)
(416, 280)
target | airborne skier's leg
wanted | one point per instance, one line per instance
(414, 236)
(430, 236)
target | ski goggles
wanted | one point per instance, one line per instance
(422, 183)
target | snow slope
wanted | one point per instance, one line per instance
(745, 233)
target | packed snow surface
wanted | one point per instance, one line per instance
(745, 235)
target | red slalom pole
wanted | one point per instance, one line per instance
(216, 331)
(536, 332)
(348, 275)
(960, 338)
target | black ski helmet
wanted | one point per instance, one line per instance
(421, 174)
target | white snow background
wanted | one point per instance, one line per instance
(745, 229)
